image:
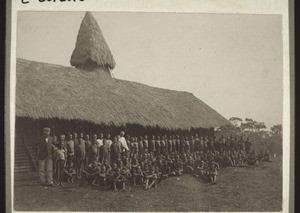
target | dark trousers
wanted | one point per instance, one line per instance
(60, 166)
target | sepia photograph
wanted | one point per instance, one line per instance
(148, 112)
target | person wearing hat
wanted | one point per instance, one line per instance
(45, 153)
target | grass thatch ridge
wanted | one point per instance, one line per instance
(50, 91)
(91, 47)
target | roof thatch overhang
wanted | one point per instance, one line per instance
(52, 91)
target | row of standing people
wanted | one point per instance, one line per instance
(80, 151)
(100, 147)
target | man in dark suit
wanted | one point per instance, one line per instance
(45, 153)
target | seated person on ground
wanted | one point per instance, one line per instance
(166, 170)
(138, 176)
(91, 172)
(213, 171)
(118, 180)
(102, 176)
(151, 178)
(70, 173)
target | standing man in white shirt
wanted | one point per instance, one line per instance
(100, 140)
(108, 140)
(123, 141)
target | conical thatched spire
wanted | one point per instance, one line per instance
(91, 51)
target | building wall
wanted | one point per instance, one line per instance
(34, 128)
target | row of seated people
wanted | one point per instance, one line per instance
(149, 168)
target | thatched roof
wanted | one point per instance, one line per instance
(91, 49)
(52, 91)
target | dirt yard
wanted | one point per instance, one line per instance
(238, 189)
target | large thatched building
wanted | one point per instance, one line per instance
(86, 97)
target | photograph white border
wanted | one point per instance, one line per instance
(279, 7)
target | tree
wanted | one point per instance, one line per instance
(258, 126)
(248, 120)
(248, 125)
(276, 138)
(236, 121)
(276, 129)
(257, 132)
(252, 125)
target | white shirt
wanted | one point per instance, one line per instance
(108, 142)
(123, 142)
(100, 142)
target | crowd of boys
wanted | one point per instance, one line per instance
(113, 163)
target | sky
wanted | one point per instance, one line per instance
(234, 63)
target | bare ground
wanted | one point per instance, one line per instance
(238, 189)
